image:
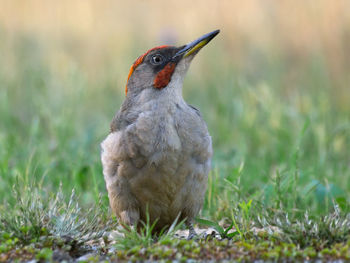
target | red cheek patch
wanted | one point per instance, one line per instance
(138, 61)
(163, 77)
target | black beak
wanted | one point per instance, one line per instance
(195, 46)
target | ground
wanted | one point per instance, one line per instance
(208, 247)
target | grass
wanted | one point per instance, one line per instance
(50, 220)
(130, 239)
(280, 179)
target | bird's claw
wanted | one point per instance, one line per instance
(192, 235)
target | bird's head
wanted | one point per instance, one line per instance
(160, 66)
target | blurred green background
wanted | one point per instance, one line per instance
(274, 88)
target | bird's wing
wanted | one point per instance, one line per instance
(196, 110)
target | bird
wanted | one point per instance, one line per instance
(157, 156)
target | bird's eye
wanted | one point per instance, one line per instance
(157, 59)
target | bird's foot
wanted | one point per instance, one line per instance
(192, 236)
(192, 233)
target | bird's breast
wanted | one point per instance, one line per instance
(163, 156)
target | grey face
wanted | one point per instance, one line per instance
(157, 59)
(155, 68)
(146, 68)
